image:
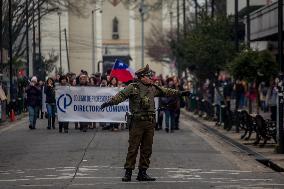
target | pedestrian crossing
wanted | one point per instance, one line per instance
(104, 175)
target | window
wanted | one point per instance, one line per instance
(115, 34)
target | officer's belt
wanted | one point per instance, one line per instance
(144, 116)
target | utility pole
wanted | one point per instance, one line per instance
(184, 18)
(60, 55)
(178, 19)
(212, 8)
(280, 103)
(171, 21)
(142, 32)
(206, 7)
(196, 13)
(39, 41)
(178, 39)
(34, 42)
(10, 48)
(93, 43)
(236, 25)
(27, 39)
(66, 46)
(1, 37)
(248, 24)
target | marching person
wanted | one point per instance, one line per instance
(33, 101)
(49, 90)
(113, 83)
(142, 120)
(63, 125)
(83, 81)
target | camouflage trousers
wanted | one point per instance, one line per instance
(140, 135)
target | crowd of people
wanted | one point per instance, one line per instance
(239, 94)
(243, 95)
(169, 107)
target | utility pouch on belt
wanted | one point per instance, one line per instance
(129, 120)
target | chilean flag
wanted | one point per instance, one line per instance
(121, 71)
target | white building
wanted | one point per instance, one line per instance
(117, 34)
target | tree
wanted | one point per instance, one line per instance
(19, 18)
(208, 48)
(158, 45)
(254, 67)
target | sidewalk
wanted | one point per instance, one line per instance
(20, 119)
(233, 138)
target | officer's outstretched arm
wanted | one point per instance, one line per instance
(162, 91)
(118, 98)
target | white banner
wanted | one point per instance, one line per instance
(82, 104)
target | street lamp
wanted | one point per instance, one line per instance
(93, 39)
(60, 55)
(10, 48)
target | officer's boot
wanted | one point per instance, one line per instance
(142, 176)
(53, 122)
(127, 176)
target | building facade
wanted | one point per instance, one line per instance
(106, 30)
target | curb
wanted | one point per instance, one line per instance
(257, 156)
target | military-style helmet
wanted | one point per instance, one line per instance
(144, 72)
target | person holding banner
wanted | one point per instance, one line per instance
(49, 91)
(83, 81)
(141, 120)
(63, 125)
(113, 83)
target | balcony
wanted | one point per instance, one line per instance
(264, 23)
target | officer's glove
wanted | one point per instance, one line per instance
(105, 104)
(184, 93)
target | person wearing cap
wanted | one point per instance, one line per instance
(141, 121)
(33, 101)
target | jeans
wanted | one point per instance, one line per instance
(170, 119)
(51, 109)
(33, 112)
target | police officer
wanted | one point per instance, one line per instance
(141, 95)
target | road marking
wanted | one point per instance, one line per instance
(13, 180)
(37, 185)
(237, 171)
(11, 126)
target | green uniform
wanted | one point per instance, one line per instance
(142, 109)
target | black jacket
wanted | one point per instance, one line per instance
(33, 96)
(50, 94)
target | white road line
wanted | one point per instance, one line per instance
(37, 185)
(256, 179)
(13, 180)
(237, 171)
(8, 126)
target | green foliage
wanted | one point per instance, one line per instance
(254, 66)
(208, 47)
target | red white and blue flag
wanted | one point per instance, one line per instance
(121, 71)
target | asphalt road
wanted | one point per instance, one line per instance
(188, 158)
